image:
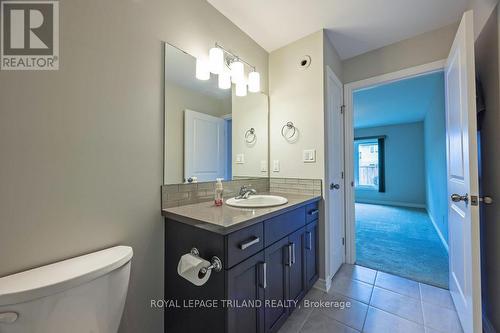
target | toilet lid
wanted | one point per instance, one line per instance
(51, 279)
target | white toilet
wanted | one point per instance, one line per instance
(85, 294)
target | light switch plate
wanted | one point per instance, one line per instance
(309, 156)
(263, 166)
(240, 158)
(276, 166)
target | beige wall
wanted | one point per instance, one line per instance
(82, 147)
(424, 48)
(178, 99)
(251, 111)
(332, 58)
(487, 66)
(482, 11)
(296, 95)
(428, 47)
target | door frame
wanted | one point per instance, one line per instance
(349, 89)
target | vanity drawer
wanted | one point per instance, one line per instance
(280, 226)
(244, 243)
(312, 212)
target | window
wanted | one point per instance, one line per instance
(369, 164)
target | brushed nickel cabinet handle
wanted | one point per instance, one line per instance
(246, 245)
(264, 275)
(309, 240)
(289, 257)
(313, 212)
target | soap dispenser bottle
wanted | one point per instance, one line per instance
(218, 192)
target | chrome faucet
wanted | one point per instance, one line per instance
(245, 192)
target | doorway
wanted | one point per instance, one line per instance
(400, 178)
(462, 195)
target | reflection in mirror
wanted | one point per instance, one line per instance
(210, 132)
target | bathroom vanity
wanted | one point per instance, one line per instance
(269, 260)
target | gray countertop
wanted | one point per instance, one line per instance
(226, 219)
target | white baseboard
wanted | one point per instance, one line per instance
(391, 203)
(323, 285)
(438, 232)
(487, 326)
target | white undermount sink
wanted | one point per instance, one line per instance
(257, 201)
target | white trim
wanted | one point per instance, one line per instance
(391, 203)
(440, 234)
(374, 81)
(322, 285)
(349, 139)
(350, 226)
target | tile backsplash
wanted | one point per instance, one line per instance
(185, 194)
(296, 185)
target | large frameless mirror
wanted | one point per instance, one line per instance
(210, 132)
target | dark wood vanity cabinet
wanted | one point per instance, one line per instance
(245, 283)
(311, 253)
(266, 266)
(298, 264)
(276, 291)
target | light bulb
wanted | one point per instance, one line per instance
(237, 72)
(202, 72)
(216, 60)
(224, 80)
(254, 82)
(241, 89)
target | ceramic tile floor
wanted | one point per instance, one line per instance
(379, 302)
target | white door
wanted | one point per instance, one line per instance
(334, 189)
(204, 146)
(462, 173)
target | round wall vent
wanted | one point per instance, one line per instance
(304, 62)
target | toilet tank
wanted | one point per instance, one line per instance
(85, 294)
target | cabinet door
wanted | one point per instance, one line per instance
(297, 268)
(276, 293)
(311, 246)
(245, 283)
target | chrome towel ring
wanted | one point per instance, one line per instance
(285, 130)
(250, 136)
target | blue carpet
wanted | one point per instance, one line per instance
(400, 241)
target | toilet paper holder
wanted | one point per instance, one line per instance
(215, 263)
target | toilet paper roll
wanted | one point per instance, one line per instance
(189, 267)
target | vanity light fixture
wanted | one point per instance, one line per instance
(216, 60)
(254, 82)
(230, 68)
(237, 71)
(225, 80)
(202, 71)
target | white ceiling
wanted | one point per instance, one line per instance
(353, 26)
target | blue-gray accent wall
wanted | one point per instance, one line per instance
(404, 165)
(411, 113)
